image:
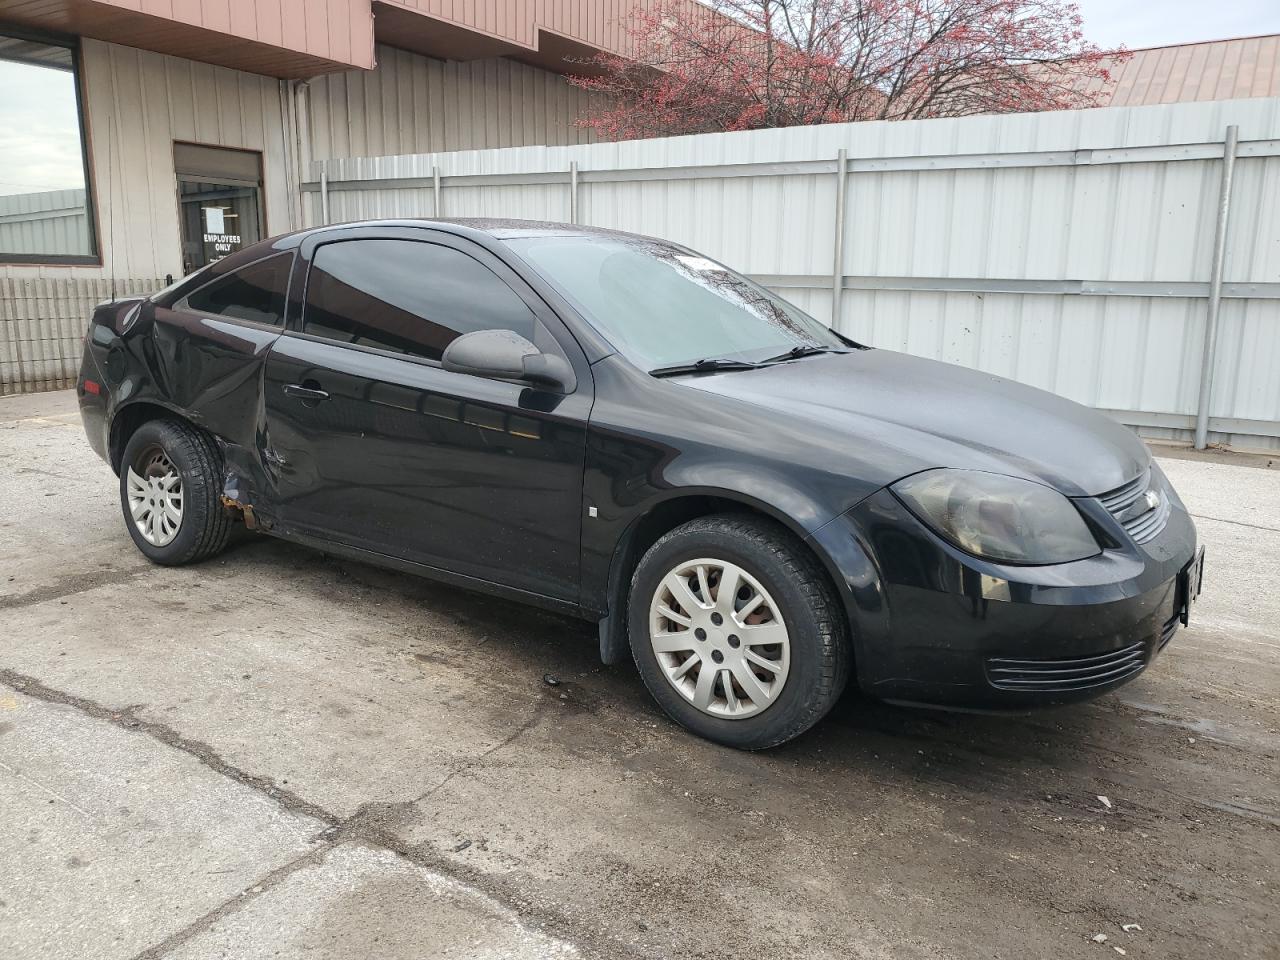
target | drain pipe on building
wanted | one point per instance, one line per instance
(301, 138)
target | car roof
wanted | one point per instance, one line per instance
(482, 229)
(502, 229)
(495, 228)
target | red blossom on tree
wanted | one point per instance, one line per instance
(748, 64)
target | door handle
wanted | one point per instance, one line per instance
(308, 390)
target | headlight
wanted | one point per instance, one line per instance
(997, 517)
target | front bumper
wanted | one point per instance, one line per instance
(934, 625)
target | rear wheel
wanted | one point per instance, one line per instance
(736, 632)
(169, 492)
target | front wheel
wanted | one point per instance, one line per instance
(169, 490)
(736, 631)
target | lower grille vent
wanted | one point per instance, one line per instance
(1080, 673)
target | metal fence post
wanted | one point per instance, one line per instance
(837, 270)
(435, 187)
(324, 197)
(1208, 358)
(573, 191)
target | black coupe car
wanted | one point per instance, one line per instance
(752, 505)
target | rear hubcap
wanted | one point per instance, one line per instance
(719, 638)
(155, 497)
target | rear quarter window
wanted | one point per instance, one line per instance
(255, 293)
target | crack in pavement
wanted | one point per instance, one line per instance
(373, 823)
(128, 719)
(23, 471)
(476, 761)
(228, 907)
(1238, 523)
(73, 584)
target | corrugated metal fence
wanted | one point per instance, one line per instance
(42, 328)
(1071, 250)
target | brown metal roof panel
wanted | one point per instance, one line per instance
(600, 24)
(1214, 70)
(1161, 80)
(269, 23)
(1224, 80)
(187, 10)
(1266, 77)
(1247, 69)
(1174, 70)
(328, 34)
(1214, 55)
(1147, 73)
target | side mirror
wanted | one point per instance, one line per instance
(505, 355)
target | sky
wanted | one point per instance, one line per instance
(1156, 23)
(39, 131)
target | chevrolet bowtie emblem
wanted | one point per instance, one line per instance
(1140, 507)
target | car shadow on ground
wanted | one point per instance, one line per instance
(975, 752)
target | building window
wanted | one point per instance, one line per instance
(46, 215)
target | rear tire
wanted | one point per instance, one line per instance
(779, 606)
(170, 486)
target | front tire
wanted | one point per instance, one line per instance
(737, 632)
(170, 480)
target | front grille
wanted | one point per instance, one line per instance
(1168, 630)
(1080, 673)
(1127, 504)
(1121, 497)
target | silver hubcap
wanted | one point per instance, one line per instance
(155, 498)
(719, 638)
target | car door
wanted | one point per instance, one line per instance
(372, 443)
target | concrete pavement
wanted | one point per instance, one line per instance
(280, 754)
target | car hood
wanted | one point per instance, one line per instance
(918, 414)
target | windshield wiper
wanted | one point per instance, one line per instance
(702, 366)
(804, 350)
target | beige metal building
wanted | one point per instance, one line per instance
(143, 128)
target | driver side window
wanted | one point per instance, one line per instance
(407, 296)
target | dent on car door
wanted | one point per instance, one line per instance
(372, 443)
(210, 348)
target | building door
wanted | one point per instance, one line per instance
(219, 201)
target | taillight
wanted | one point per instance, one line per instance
(92, 386)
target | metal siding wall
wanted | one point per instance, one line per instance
(414, 104)
(1039, 220)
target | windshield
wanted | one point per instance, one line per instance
(661, 307)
